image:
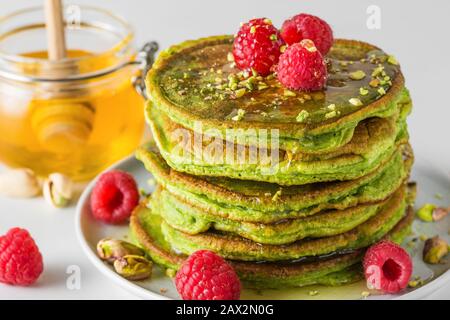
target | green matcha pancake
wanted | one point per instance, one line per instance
(194, 83)
(188, 219)
(260, 202)
(335, 269)
(374, 141)
(235, 247)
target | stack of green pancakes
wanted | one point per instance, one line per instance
(290, 187)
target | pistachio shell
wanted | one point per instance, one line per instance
(21, 183)
(58, 190)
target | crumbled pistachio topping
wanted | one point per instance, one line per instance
(331, 107)
(313, 293)
(357, 75)
(330, 114)
(391, 59)
(289, 93)
(273, 37)
(230, 57)
(277, 195)
(374, 83)
(302, 116)
(252, 29)
(378, 70)
(365, 294)
(240, 114)
(363, 91)
(283, 48)
(381, 91)
(356, 102)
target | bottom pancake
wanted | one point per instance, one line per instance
(331, 270)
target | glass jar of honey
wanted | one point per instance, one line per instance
(76, 115)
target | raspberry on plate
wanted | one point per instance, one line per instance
(301, 67)
(114, 197)
(207, 276)
(387, 267)
(257, 46)
(306, 26)
(20, 260)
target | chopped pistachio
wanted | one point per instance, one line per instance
(240, 92)
(377, 71)
(264, 114)
(391, 59)
(240, 113)
(230, 57)
(267, 20)
(423, 237)
(356, 102)
(425, 213)
(267, 194)
(277, 195)
(307, 96)
(252, 29)
(273, 37)
(302, 116)
(363, 91)
(330, 114)
(374, 83)
(365, 294)
(381, 91)
(262, 86)
(331, 107)
(289, 93)
(283, 49)
(185, 75)
(313, 293)
(357, 75)
(171, 273)
(254, 73)
(413, 283)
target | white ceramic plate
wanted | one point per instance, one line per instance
(432, 181)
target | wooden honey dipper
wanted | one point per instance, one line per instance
(61, 124)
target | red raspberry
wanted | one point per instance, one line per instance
(387, 267)
(257, 46)
(114, 197)
(301, 67)
(206, 276)
(305, 26)
(20, 259)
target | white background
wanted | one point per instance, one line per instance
(416, 32)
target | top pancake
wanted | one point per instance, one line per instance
(187, 84)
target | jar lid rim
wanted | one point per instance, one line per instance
(124, 45)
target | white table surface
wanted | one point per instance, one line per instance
(417, 36)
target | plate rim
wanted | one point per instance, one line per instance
(143, 293)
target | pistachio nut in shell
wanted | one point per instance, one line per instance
(133, 267)
(111, 249)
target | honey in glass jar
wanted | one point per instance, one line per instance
(76, 115)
